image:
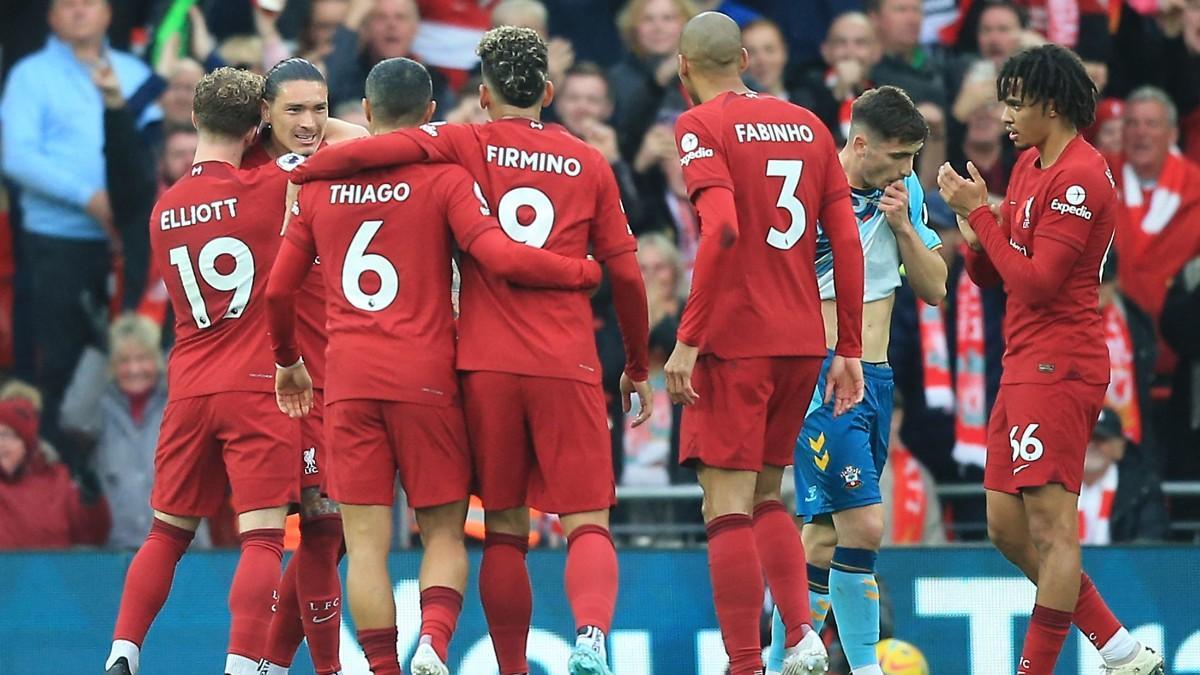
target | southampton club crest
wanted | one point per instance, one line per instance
(850, 475)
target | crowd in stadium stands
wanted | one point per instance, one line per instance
(96, 121)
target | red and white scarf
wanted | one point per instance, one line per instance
(1095, 508)
(1153, 210)
(910, 501)
(1122, 395)
(969, 402)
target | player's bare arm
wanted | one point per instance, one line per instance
(924, 267)
(337, 131)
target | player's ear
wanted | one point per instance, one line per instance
(683, 67)
(548, 96)
(743, 60)
(366, 105)
(250, 137)
(430, 108)
(485, 97)
(266, 111)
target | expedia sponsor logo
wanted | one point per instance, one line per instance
(698, 153)
(1081, 210)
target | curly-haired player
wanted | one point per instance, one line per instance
(530, 373)
(1046, 243)
(221, 429)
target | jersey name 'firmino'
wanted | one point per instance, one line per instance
(515, 158)
(198, 214)
(773, 133)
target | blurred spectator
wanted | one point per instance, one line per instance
(387, 31)
(917, 69)
(985, 142)
(850, 51)
(912, 513)
(244, 52)
(1178, 67)
(661, 186)
(467, 109)
(1120, 499)
(42, 506)
(1158, 230)
(176, 100)
(647, 76)
(947, 363)
(532, 14)
(178, 153)
(1107, 133)
(53, 148)
(1181, 330)
(804, 24)
(652, 450)
(129, 171)
(584, 105)
(764, 43)
(906, 63)
(1132, 349)
(315, 42)
(122, 424)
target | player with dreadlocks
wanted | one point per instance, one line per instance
(1046, 243)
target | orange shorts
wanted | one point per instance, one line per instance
(208, 444)
(750, 411)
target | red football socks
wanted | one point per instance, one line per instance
(148, 581)
(783, 561)
(287, 630)
(252, 594)
(379, 644)
(737, 582)
(1048, 629)
(320, 590)
(507, 598)
(591, 576)
(1093, 617)
(440, 607)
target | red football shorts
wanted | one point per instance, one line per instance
(236, 439)
(1038, 434)
(312, 444)
(540, 442)
(375, 440)
(750, 411)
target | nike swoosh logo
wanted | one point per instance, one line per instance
(1021, 468)
(317, 619)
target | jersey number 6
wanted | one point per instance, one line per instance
(359, 262)
(789, 170)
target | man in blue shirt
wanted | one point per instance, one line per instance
(53, 150)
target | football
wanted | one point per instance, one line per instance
(897, 657)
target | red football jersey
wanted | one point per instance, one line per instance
(1073, 202)
(781, 164)
(310, 301)
(213, 237)
(384, 237)
(550, 190)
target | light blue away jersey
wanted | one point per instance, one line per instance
(881, 253)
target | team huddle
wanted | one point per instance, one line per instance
(344, 322)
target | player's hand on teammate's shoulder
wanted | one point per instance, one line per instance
(844, 384)
(293, 389)
(645, 398)
(894, 205)
(961, 194)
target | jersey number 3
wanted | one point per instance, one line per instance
(789, 170)
(239, 280)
